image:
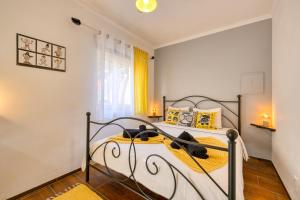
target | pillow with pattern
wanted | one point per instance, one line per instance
(218, 121)
(206, 120)
(172, 116)
(186, 119)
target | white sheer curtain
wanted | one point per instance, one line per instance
(115, 77)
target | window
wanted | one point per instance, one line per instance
(115, 82)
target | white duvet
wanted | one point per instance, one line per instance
(163, 183)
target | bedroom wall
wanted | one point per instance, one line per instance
(42, 113)
(286, 87)
(213, 65)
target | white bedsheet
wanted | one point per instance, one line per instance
(163, 183)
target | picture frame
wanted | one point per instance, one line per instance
(26, 58)
(36, 53)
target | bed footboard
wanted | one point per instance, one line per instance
(151, 166)
(232, 135)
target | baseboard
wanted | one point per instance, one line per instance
(260, 159)
(42, 185)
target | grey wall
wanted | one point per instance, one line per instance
(213, 65)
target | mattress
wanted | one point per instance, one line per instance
(162, 183)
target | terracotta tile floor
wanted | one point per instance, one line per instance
(261, 183)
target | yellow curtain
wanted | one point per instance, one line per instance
(140, 81)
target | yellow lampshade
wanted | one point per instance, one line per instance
(265, 116)
(266, 119)
(146, 6)
(154, 111)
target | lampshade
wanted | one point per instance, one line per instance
(146, 5)
(265, 116)
(265, 119)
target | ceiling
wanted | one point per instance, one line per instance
(177, 20)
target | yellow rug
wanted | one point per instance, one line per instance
(216, 160)
(80, 192)
(152, 140)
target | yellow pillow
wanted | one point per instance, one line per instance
(206, 120)
(172, 116)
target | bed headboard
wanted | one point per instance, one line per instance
(230, 115)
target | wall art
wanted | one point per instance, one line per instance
(32, 52)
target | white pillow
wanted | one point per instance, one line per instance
(187, 108)
(218, 116)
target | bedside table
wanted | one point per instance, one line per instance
(157, 117)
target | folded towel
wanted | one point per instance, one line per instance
(144, 136)
(127, 133)
(216, 160)
(194, 150)
(199, 152)
(184, 136)
(152, 140)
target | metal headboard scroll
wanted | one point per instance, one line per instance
(196, 100)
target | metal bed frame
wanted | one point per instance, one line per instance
(152, 167)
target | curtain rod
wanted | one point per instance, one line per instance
(77, 22)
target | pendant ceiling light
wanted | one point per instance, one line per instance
(146, 6)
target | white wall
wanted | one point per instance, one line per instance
(42, 113)
(213, 65)
(286, 97)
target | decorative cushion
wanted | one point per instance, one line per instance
(218, 121)
(205, 120)
(172, 116)
(186, 119)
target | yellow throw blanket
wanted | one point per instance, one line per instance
(216, 160)
(80, 192)
(152, 140)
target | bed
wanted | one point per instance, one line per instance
(154, 167)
